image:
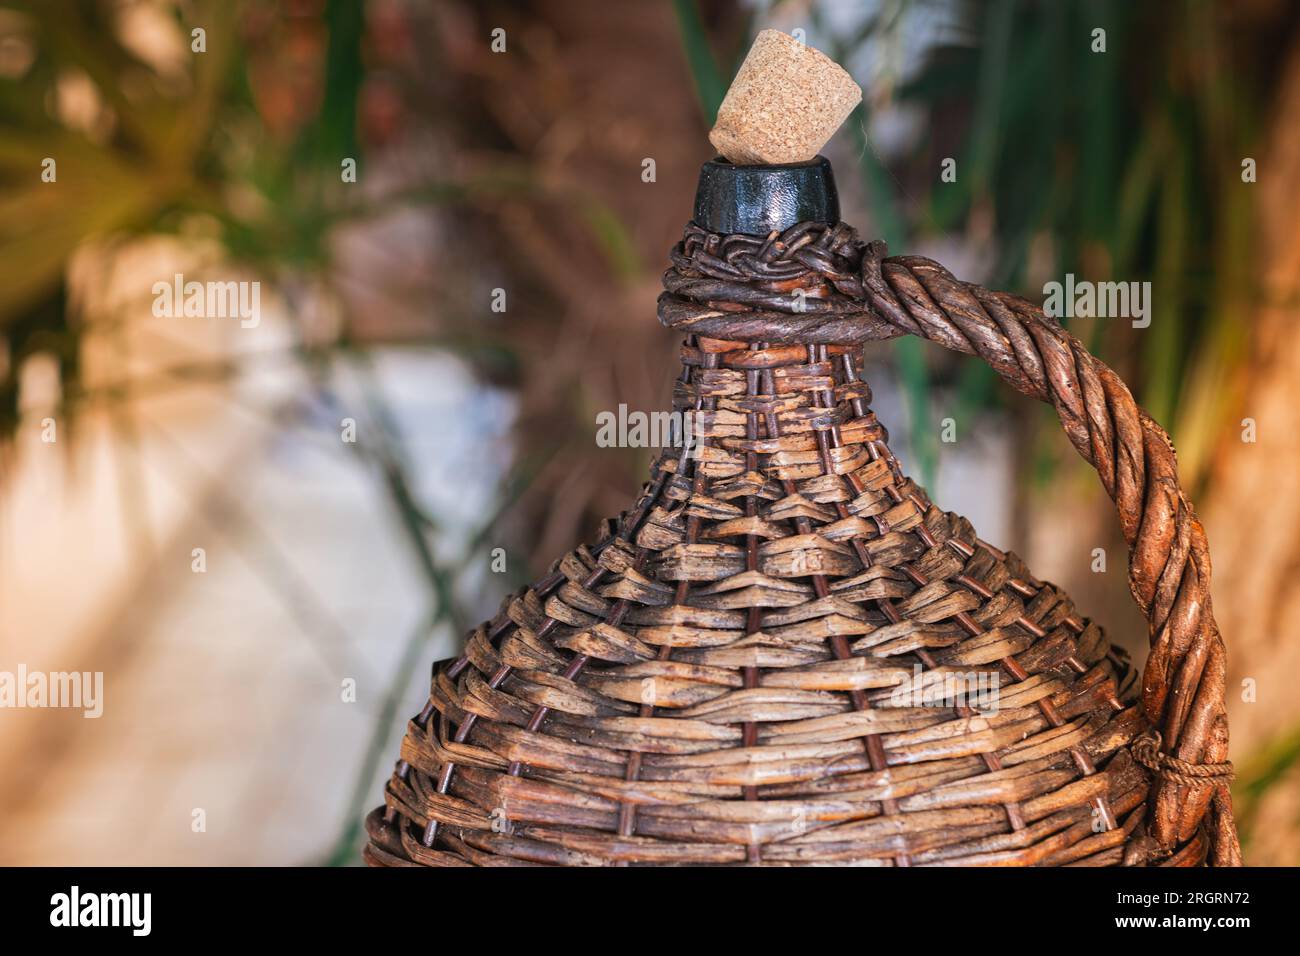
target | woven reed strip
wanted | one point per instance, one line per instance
(871, 742)
(1101, 804)
(1009, 663)
(853, 293)
(631, 522)
(874, 748)
(496, 628)
(458, 844)
(1017, 674)
(753, 851)
(1014, 815)
(627, 811)
(1086, 767)
(614, 618)
(991, 761)
(920, 580)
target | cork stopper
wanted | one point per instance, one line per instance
(786, 101)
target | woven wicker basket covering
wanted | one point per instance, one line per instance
(769, 658)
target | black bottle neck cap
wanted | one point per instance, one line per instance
(758, 199)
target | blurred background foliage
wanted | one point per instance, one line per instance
(1118, 164)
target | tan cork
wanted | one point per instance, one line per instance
(786, 101)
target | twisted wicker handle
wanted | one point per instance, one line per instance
(1169, 560)
(1183, 683)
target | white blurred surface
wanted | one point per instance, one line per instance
(223, 689)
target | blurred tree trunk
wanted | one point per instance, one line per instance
(1252, 508)
(594, 108)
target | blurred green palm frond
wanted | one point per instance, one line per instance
(117, 181)
(1114, 164)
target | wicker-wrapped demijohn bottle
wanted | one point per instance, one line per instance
(782, 652)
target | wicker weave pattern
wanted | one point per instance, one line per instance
(756, 663)
(724, 286)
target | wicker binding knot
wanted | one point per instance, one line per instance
(1146, 751)
(770, 658)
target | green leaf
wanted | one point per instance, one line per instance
(710, 85)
